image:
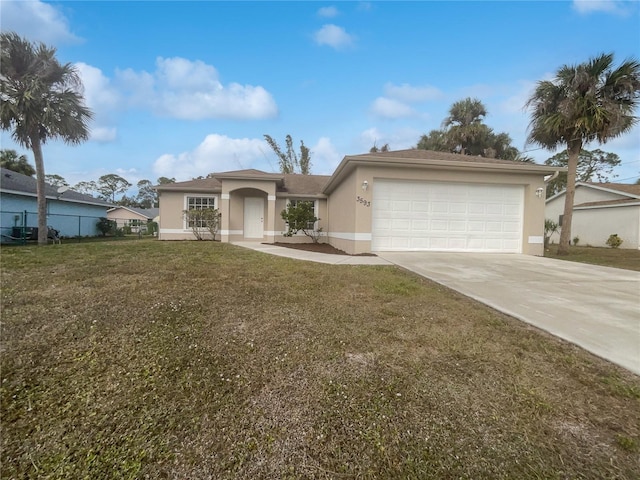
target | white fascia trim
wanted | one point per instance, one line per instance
(175, 230)
(271, 198)
(617, 205)
(225, 196)
(231, 232)
(353, 236)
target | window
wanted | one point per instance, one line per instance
(560, 218)
(199, 203)
(312, 205)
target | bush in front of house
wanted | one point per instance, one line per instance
(614, 241)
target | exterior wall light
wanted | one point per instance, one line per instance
(539, 192)
(365, 185)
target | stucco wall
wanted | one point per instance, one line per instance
(348, 205)
(172, 224)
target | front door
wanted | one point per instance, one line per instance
(253, 217)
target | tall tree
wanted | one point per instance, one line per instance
(40, 100)
(165, 180)
(376, 149)
(289, 160)
(110, 185)
(10, 160)
(464, 123)
(585, 102)
(56, 180)
(147, 196)
(88, 188)
(593, 166)
(465, 132)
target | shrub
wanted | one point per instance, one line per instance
(105, 226)
(202, 221)
(300, 217)
(614, 241)
(576, 240)
(550, 227)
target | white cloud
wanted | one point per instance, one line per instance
(216, 153)
(328, 12)
(324, 157)
(410, 94)
(390, 108)
(334, 36)
(608, 6)
(103, 134)
(191, 90)
(103, 99)
(37, 21)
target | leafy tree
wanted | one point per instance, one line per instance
(147, 196)
(585, 102)
(290, 161)
(10, 160)
(376, 149)
(202, 221)
(56, 180)
(110, 185)
(435, 140)
(106, 226)
(464, 123)
(40, 100)
(88, 188)
(165, 180)
(300, 217)
(463, 131)
(592, 166)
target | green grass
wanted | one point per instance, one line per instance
(148, 359)
(625, 258)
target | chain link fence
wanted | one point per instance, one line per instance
(22, 227)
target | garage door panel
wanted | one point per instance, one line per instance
(411, 215)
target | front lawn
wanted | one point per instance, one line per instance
(626, 258)
(194, 360)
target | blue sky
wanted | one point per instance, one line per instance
(182, 89)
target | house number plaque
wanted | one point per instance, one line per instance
(363, 201)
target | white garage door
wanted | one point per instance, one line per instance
(446, 216)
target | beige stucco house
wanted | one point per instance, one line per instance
(390, 201)
(132, 217)
(599, 210)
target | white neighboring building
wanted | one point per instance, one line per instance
(600, 209)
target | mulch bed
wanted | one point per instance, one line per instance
(317, 247)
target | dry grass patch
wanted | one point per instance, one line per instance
(625, 258)
(203, 360)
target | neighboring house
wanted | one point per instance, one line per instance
(71, 213)
(387, 201)
(599, 210)
(132, 217)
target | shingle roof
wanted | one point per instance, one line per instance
(297, 184)
(145, 212)
(620, 187)
(14, 182)
(292, 184)
(419, 154)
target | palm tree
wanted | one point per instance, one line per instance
(465, 122)
(10, 160)
(585, 102)
(40, 100)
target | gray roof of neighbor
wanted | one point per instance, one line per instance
(17, 183)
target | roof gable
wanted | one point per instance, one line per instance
(418, 158)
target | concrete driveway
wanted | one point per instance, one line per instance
(597, 308)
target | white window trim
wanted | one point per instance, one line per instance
(185, 206)
(316, 204)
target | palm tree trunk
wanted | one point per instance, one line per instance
(572, 164)
(36, 146)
